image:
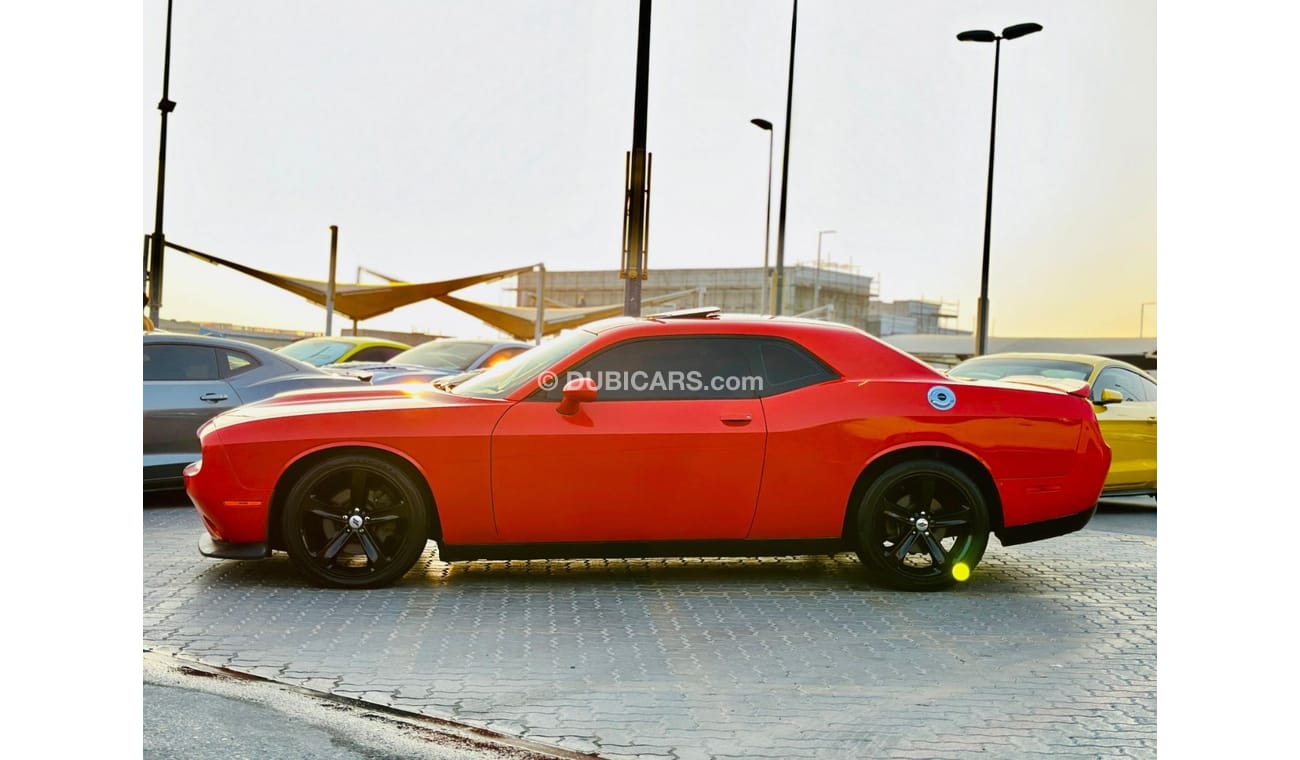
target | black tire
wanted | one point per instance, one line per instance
(917, 521)
(355, 521)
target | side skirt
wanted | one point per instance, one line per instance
(625, 549)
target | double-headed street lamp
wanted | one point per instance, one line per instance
(766, 126)
(983, 35)
(157, 242)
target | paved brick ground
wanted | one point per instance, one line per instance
(1050, 650)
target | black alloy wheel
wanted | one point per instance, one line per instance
(355, 521)
(918, 522)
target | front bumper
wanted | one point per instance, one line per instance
(211, 547)
(232, 514)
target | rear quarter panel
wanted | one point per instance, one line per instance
(821, 438)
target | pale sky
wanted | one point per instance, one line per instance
(449, 138)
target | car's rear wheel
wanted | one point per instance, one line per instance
(922, 525)
(355, 521)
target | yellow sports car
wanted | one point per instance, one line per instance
(1123, 396)
(342, 348)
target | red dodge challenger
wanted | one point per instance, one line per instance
(687, 433)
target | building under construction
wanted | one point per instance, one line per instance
(832, 292)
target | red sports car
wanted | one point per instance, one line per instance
(681, 434)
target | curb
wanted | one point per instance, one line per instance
(435, 730)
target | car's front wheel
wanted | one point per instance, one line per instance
(922, 525)
(355, 521)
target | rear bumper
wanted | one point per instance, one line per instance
(1023, 534)
(1128, 491)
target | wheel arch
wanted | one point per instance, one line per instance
(955, 457)
(287, 479)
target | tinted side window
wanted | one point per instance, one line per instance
(671, 369)
(237, 362)
(787, 367)
(1149, 387)
(503, 355)
(375, 354)
(1126, 383)
(173, 362)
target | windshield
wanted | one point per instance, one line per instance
(317, 352)
(504, 378)
(985, 368)
(443, 354)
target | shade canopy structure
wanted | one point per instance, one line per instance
(364, 300)
(521, 321)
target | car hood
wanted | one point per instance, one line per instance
(371, 369)
(340, 400)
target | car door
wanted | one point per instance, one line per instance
(183, 387)
(672, 448)
(1129, 428)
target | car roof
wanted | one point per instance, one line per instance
(354, 340)
(162, 336)
(264, 354)
(485, 342)
(705, 320)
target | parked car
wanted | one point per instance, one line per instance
(447, 382)
(324, 350)
(1125, 399)
(437, 358)
(662, 436)
(188, 379)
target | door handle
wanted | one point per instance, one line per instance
(737, 419)
(213, 398)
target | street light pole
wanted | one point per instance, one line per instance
(329, 290)
(817, 275)
(157, 242)
(1143, 323)
(779, 285)
(766, 125)
(982, 35)
(637, 180)
(541, 304)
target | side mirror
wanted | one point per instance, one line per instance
(1110, 396)
(579, 390)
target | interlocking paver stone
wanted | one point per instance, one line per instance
(1050, 650)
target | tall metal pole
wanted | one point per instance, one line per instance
(541, 301)
(329, 292)
(635, 221)
(982, 328)
(785, 171)
(767, 224)
(763, 307)
(765, 288)
(817, 275)
(158, 242)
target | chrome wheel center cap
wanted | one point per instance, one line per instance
(922, 523)
(354, 522)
